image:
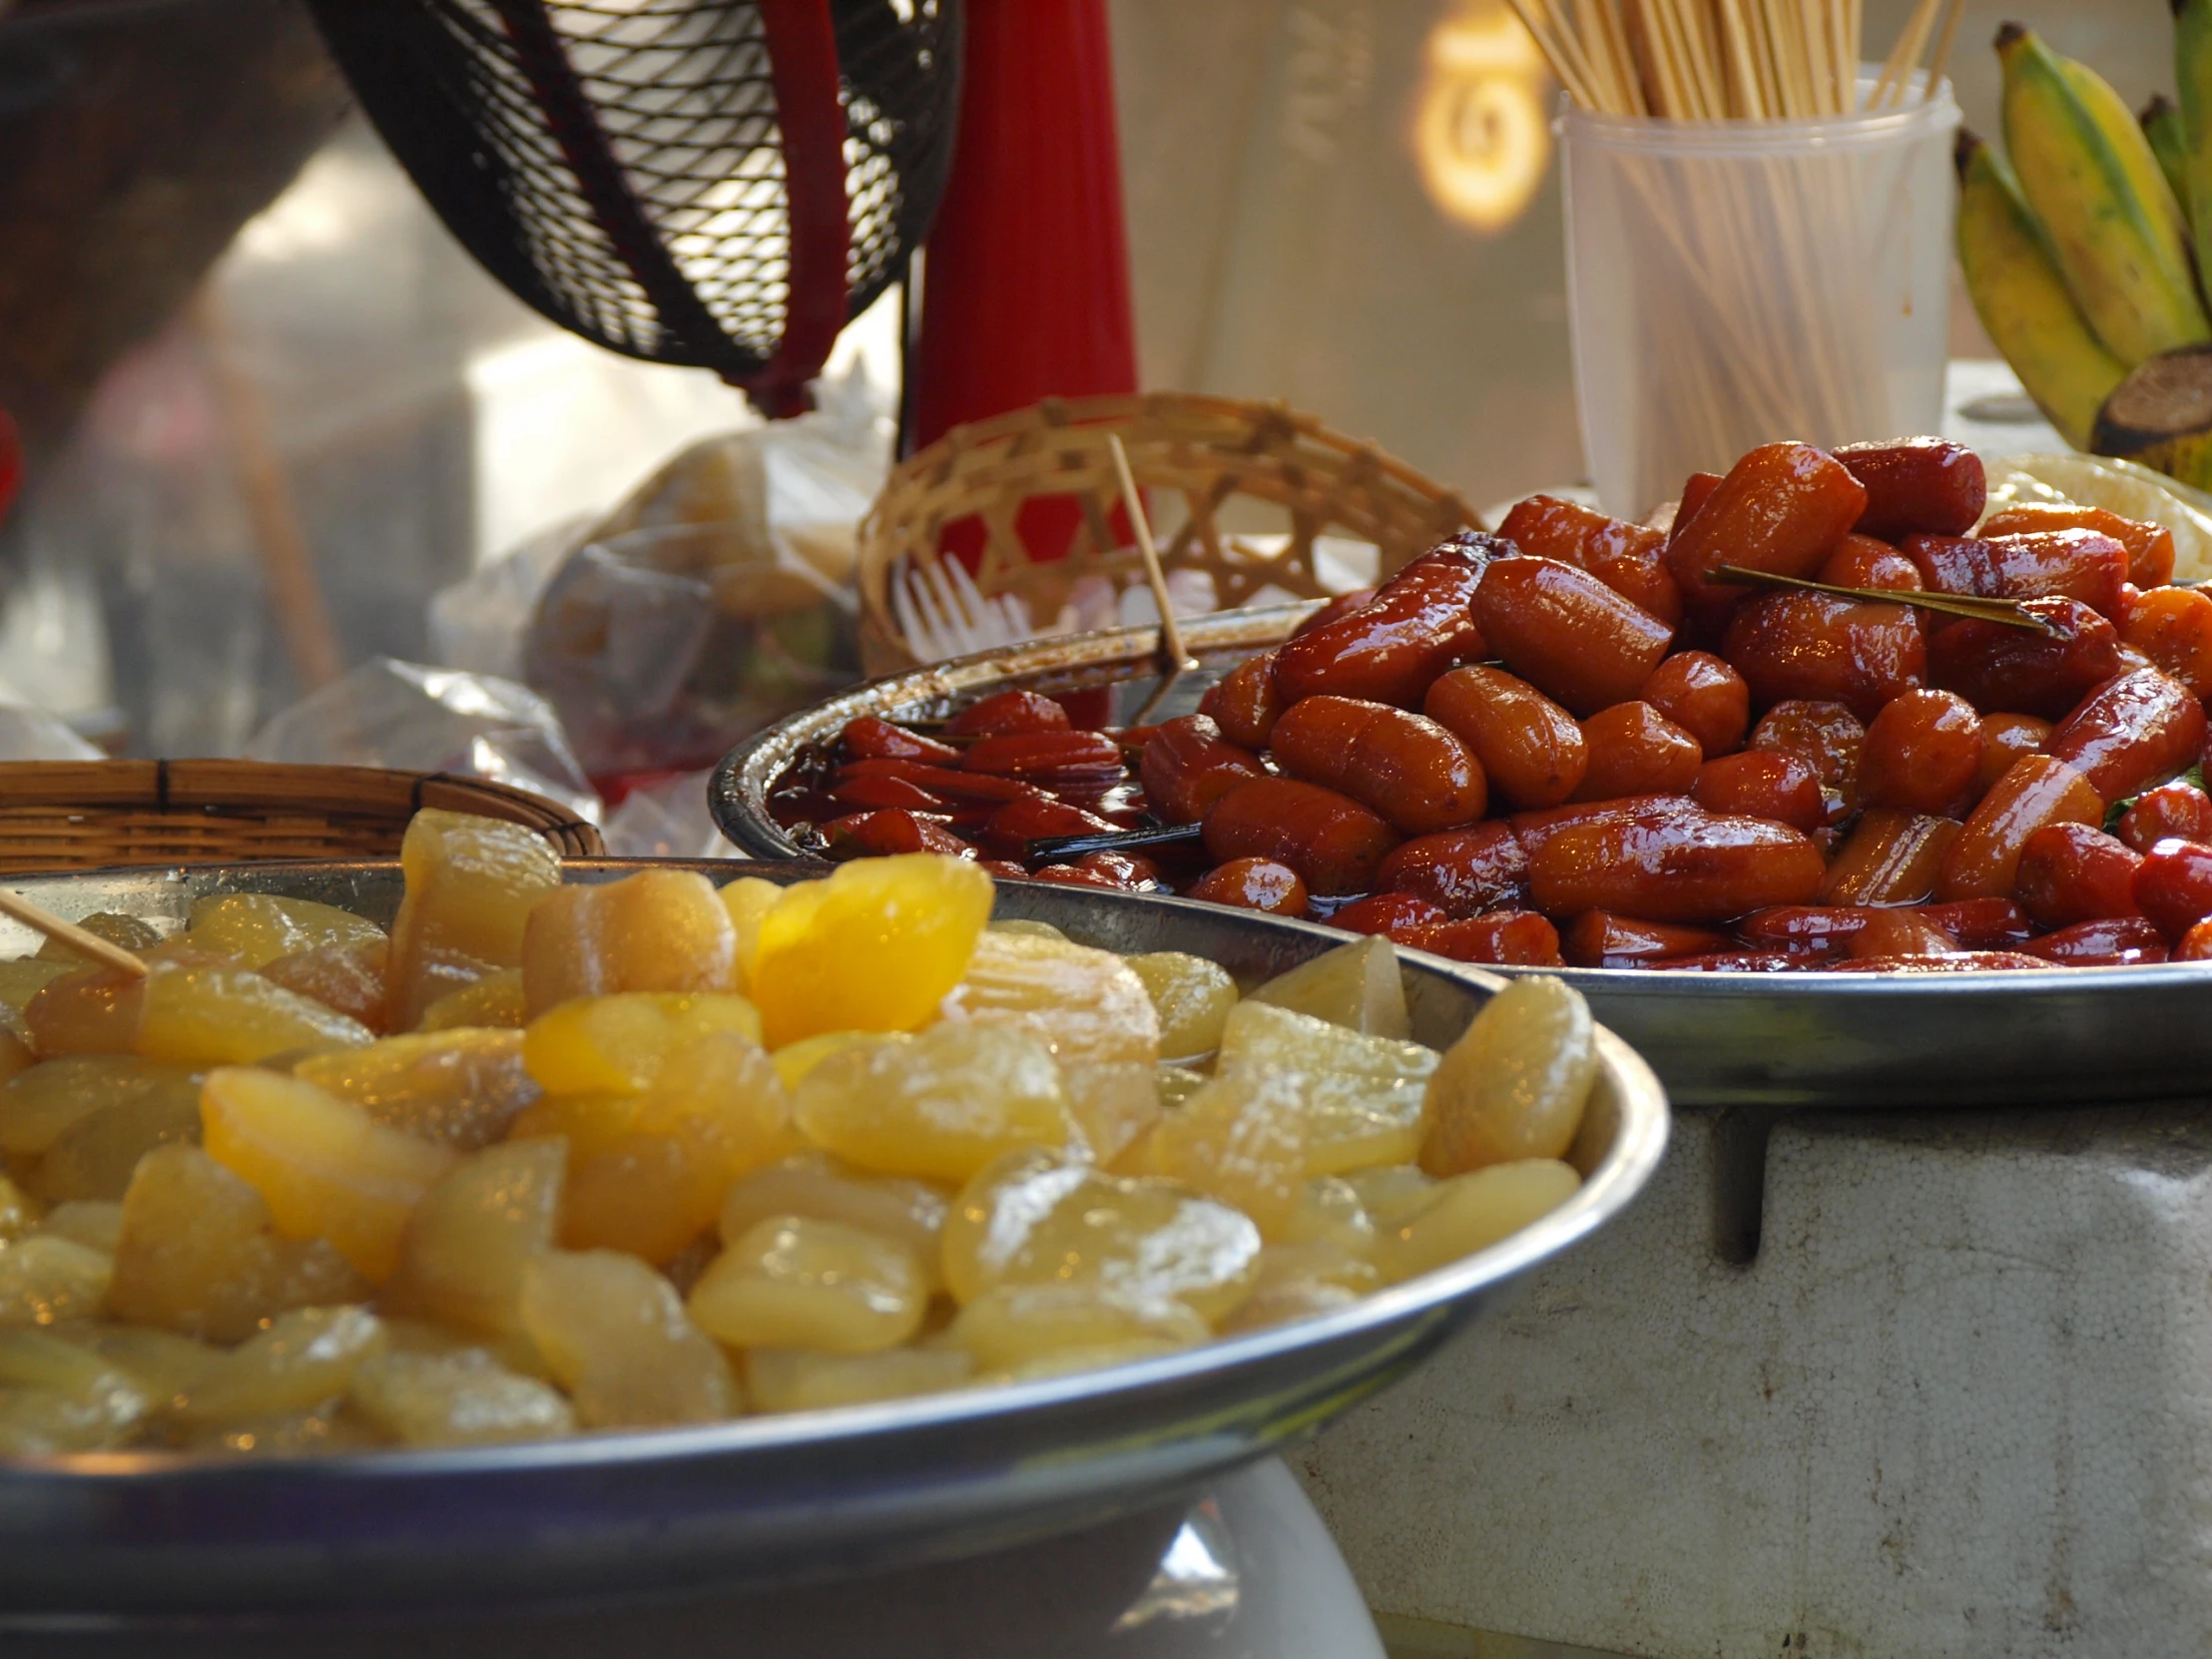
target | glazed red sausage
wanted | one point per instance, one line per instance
(2005, 739)
(2109, 941)
(1763, 784)
(1675, 866)
(2150, 547)
(1406, 766)
(2174, 886)
(1462, 871)
(1518, 939)
(2171, 811)
(1919, 484)
(1997, 667)
(1636, 750)
(1187, 766)
(1984, 862)
(1597, 938)
(1923, 754)
(2073, 873)
(1890, 858)
(1863, 562)
(1389, 650)
(1243, 702)
(1531, 750)
(1628, 558)
(1783, 507)
(1335, 844)
(2140, 730)
(1008, 711)
(1567, 633)
(1254, 884)
(1704, 695)
(2052, 564)
(1389, 913)
(1819, 648)
(867, 739)
(2172, 626)
(1826, 733)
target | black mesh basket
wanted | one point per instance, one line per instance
(716, 183)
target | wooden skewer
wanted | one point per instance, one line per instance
(104, 951)
(1172, 654)
(2008, 611)
(1941, 61)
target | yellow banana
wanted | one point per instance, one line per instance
(2023, 300)
(2160, 120)
(2193, 80)
(2094, 184)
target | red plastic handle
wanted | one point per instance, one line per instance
(803, 58)
(11, 461)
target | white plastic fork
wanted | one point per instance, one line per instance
(943, 614)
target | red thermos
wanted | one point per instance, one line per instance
(1025, 287)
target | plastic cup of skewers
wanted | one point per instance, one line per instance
(1758, 230)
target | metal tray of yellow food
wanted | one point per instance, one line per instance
(2069, 1037)
(773, 1499)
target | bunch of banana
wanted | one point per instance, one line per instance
(2079, 253)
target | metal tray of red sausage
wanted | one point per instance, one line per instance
(2069, 1037)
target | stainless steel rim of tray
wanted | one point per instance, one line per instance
(764, 1499)
(2070, 1036)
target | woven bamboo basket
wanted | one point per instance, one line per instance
(1204, 465)
(89, 815)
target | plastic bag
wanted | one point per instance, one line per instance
(418, 718)
(28, 734)
(716, 599)
(668, 819)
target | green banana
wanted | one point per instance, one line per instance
(2023, 301)
(2113, 225)
(2193, 79)
(2160, 120)
(2162, 415)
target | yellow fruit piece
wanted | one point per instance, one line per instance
(1389, 1193)
(301, 1361)
(1358, 986)
(1329, 1211)
(1073, 1327)
(794, 1380)
(252, 930)
(1515, 1083)
(656, 930)
(1192, 997)
(1298, 1282)
(1089, 1009)
(25, 976)
(492, 1002)
(96, 1155)
(647, 1172)
(18, 1210)
(348, 977)
(1035, 929)
(461, 1398)
(875, 947)
(1176, 1084)
(795, 1282)
(93, 1223)
(747, 900)
(37, 1105)
(1031, 1219)
(818, 1186)
(163, 1363)
(1241, 1139)
(58, 1397)
(91, 1011)
(622, 1043)
(326, 1168)
(212, 1016)
(470, 884)
(326, 1431)
(15, 1045)
(939, 1106)
(198, 1254)
(1364, 1096)
(795, 1061)
(469, 1239)
(128, 932)
(616, 1339)
(1472, 1212)
(47, 1278)
(461, 1088)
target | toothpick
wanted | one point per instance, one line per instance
(1171, 636)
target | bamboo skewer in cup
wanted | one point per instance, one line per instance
(1758, 227)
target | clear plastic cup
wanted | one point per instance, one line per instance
(1735, 282)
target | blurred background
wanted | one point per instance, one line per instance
(271, 408)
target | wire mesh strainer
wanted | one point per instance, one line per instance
(715, 184)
